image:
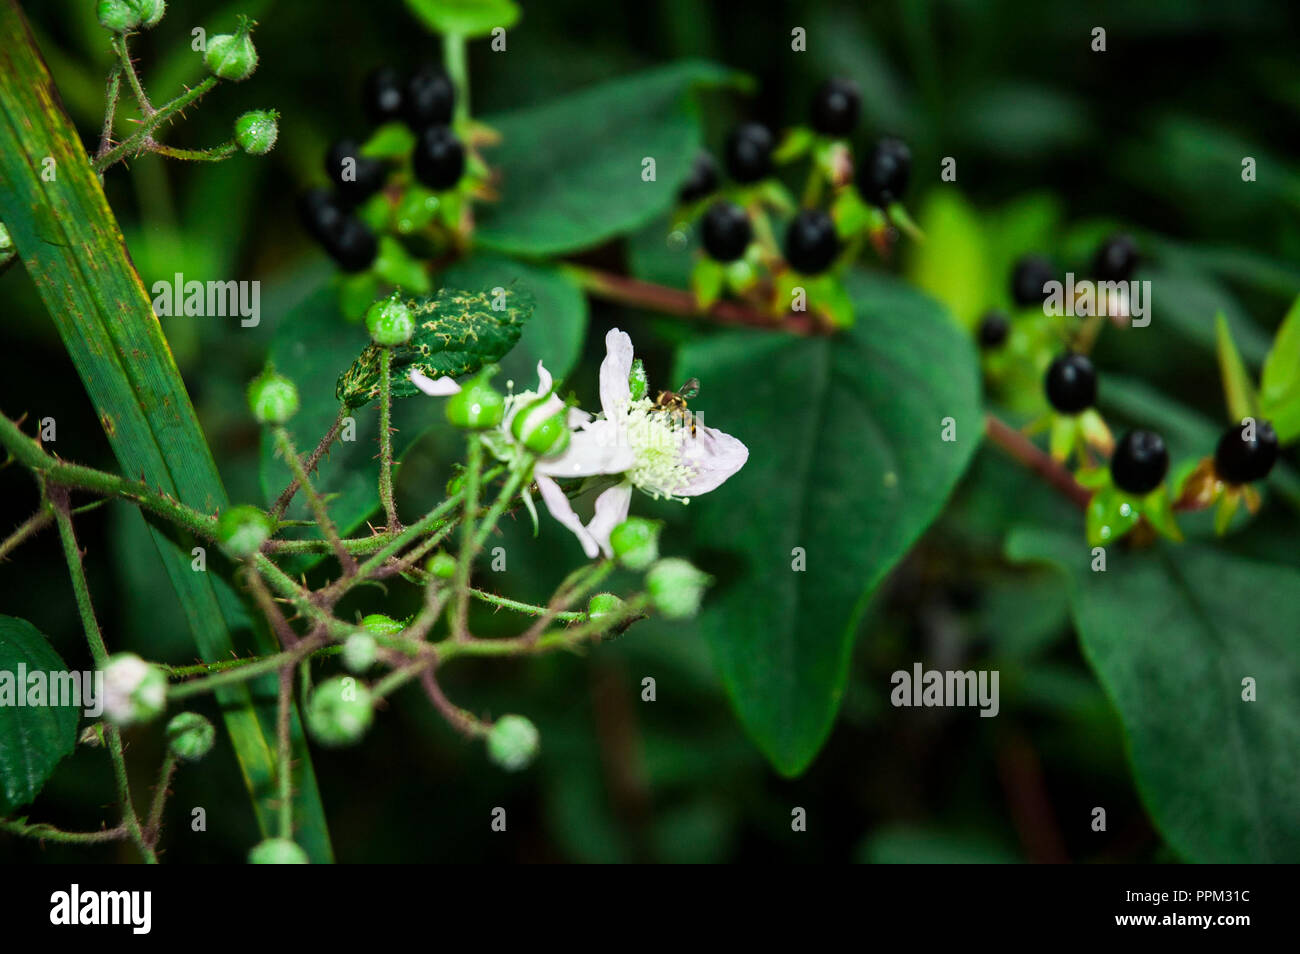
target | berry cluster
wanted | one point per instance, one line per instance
(424, 102)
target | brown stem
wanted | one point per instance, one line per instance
(1028, 453)
(309, 465)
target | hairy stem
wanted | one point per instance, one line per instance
(386, 438)
(318, 509)
(313, 459)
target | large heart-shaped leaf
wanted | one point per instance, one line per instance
(33, 738)
(572, 169)
(1172, 633)
(848, 464)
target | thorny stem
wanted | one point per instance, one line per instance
(462, 719)
(142, 139)
(112, 92)
(284, 760)
(46, 832)
(153, 827)
(386, 438)
(473, 468)
(318, 508)
(527, 609)
(313, 459)
(213, 154)
(29, 528)
(132, 78)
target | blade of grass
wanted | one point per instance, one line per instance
(73, 250)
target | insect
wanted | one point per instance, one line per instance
(674, 402)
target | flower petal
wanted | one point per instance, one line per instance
(713, 456)
(544, 381)
(615, 392)
(434, 387)
(611, 510)
(558, 504)
(596, 449)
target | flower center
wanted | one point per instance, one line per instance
(655, 436)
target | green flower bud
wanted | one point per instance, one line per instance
(256, 131)
(339, 711)
(272, 398)
(544, 433)
(637, 381)
(635, 542)
(151, 11)
(390, 321)
(359, 652)
(676, 588)
(277, 851)
(118, 15)
(441, 565)
(232, 56)
(604, 608)
(512, 742)
(242, 530)
(382, 625)
(190, 736)
(456, 483)
(134, 690)
(477, 406)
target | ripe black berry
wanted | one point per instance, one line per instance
(381, 95)
(320, 213)
(726, 231)
(702, 180)
(1031, 273)
(439, 158)
(810, 242)
(429, 99)
(351, 244)
(748, 154)
(1116, 259)
(835, 107)
(354, 177)
(994, 328)
(1239, 461)
(883, 172)
(1071, 383)
(1140, 462)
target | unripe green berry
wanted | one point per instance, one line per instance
(512, 742)
(151, 11)
(676, 588)
(339, 711)
(441, 565)
(635, 542)
(359, 651)
(542, 431)
(190, 736)
(604, 608)
(232, 56)
(277, 851)
(242, 530)
(390, 321)
(272, 398)
(256, 131)
(134, 690)
(118, 16)
(477, 406)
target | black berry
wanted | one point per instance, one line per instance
(381, 95)
(1116, 259)
(351, 244)
(1140, 462)
(355, 178)
(702, 180)
(1031, 273)
(1071, 383)
(810, 242)
(319, 212)
(439, 159)
(994, 328)
(883, 172)
(429, 99)
(726, 231)
(748, 154)
(1239, 461)
(835, 107)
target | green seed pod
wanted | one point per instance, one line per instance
(190, 736)
(604, 608)
(272, 398)
(676, 588)
(119, 16)
(242, 530)
(232, 56)
(151, 11)
(277, 851)
(543, 431)
(635, 542)
(339, 711)
(441, 565)
(512, 742)
(256, 131)
(477, 406)
(134, 690)
(359, 651)
(390, 321)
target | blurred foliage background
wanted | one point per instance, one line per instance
(1055, 144)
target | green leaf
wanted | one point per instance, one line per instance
(469, 18)
(72, 248)
(707, 279)
(1280, 382)
(846, 461)
(951, 264)
(395, 265)
(1170, 633)
(1238, 392)
(33, 738)
(456, 333)
(1110, 515)
(571, 169)
(909, 845)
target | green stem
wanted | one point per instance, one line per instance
(282, 502)
(386, 438)
(473, 469)
(204, 669)
(455, 63)
(29, 528)
(250, 670)
(285, 754)
(49, 833)
(153, 827)
(130, 820)
(213, 154)
(528, 609)
(112, 93)
(314, 501)
(142, 139)
(132, 78)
